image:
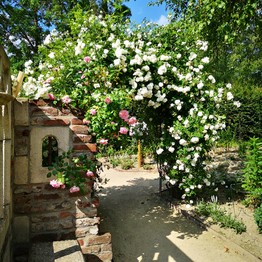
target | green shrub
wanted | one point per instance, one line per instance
(252, 172)
(258, 218)
(244, 122)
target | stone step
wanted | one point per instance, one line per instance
(57, 251)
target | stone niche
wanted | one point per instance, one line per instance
(43, 213)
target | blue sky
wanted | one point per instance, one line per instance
(141, 10)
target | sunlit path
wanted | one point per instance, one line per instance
(144, 228)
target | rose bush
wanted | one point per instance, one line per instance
(123, 77)
(74, 171)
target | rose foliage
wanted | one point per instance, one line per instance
(122, 76)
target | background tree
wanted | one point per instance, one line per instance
(25, 23)
(233, 30)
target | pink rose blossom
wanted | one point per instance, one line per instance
(108, 100)
(89, 173)
(123, 130)
(51, 96)
(103, 141)
(66, 99)
(132, 120)
(56, 184)
(74, 189)
(93, 112)
(123, 114)
(87, 59)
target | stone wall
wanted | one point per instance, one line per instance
(6, 155)
(41, 212)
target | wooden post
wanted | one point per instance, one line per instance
(20, 78)
(139, 154)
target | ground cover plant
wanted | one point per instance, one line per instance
(220, 216)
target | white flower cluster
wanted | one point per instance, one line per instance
(154, 76)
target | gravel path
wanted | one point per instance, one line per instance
(144, 227)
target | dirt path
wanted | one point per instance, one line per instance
(144, 228)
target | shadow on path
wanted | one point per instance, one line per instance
(141, 222)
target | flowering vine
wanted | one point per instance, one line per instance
(125, 80)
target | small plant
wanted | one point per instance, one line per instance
(219, 216)
(114, 161)
(147, 167)
(252, 177)
(127, 164)
(258, 218)
(73, 171)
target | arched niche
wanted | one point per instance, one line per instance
(49, 150)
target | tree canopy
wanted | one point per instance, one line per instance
(233, 30)
(24, 24)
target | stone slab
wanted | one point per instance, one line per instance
(58, 251)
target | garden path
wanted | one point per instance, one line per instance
(145, 228)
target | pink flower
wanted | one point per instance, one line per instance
(74, 189)
(123, 114)
(132, 120)
(66, 99)
(93, 112)
(108, 100)
(123, 130)
(83, 76)
(103, 141)
(56, 184)
(89, 173)
(87, 59)
(51, 96)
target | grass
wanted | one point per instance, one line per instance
(220, 216)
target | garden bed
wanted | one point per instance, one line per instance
(250, 240)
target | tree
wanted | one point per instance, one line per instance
(25, 23)
(233, 30)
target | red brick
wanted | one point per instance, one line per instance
(50, 111)
(80, 129)
(85, 147)
(106, 247)
(76, 121)
(56, 122)
(81, 232)
(40, 111)
(77, 138)
(45, 121)
(39, 102)
(85, 212)
(91, 250)
(80, 241)
(65, 112)
(95, 202)
(65, 214)
(47, 196)
(98, 240)
(87, 221)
